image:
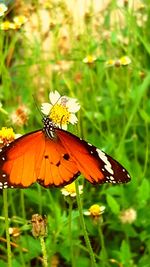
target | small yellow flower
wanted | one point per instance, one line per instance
(95, 210)
(123, 61)
(128, 216)
(70, 190)
(7, 25)
(7, 135)
(61, 109)
(19, 21)
(89, 59)
(3, 9)
(110, 63)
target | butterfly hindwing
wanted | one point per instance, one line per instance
(35, 157)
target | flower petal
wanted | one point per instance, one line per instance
(54, 97)
(87, 213)
(64, 127)
(73, 105)
(73, 194)
(46, 108)
(73, 118)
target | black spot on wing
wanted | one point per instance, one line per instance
(66, 156)
(58, 164)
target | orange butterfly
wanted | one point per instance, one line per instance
(53, 156)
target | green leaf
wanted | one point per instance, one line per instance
(3, 264)
(112, 203)
(125, 252)
(145, 116)
(143, 193)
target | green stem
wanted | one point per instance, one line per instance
(87, 241)
(22, 204)
(7, 227)
(103, 253)
(43, 246)
(70, 232)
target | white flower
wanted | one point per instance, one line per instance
(70, 190)
(3, 9)
(128, 216)
(61, 109)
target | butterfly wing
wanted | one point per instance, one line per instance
(35, 157)
(94, 164)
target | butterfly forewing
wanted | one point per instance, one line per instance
(94, 164)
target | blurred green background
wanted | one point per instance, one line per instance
(76, 48)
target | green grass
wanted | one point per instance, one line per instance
(114, 116)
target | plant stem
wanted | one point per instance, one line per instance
(103, 252)
(42, 241)
(87, 241)
(70, 232)
(7, 227)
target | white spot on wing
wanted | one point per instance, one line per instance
(104, 158)
(109, 169)
(102, 155)
(89, 144)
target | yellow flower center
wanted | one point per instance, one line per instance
(89, 59)
(59, 114)
(110, 62)
(6, 135)
(70, 188)
(95, 210)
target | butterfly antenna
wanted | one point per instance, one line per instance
(61, 122)
(35, 102)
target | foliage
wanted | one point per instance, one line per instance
(46, 54)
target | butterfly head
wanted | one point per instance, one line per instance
(49, 127)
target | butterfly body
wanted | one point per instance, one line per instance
(53, 156)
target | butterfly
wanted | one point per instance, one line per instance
(53, 156)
